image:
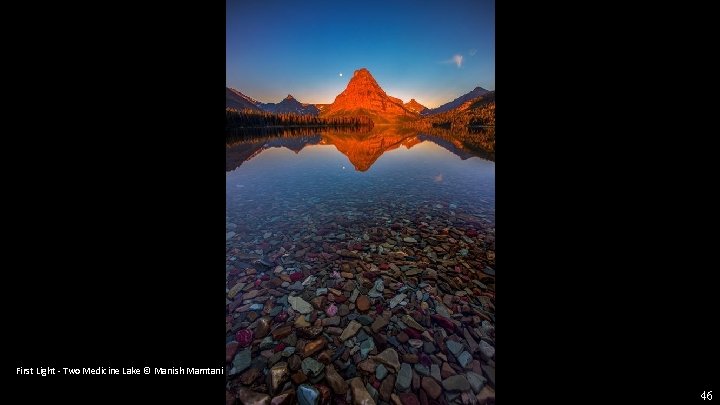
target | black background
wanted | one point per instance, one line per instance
(113, 167)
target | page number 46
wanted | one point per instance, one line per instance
(706, 395)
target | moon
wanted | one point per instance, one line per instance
(340, 74)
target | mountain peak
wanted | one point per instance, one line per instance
(362, 71)
(364, 96)
(289, 97)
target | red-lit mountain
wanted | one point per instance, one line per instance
(475, 93)
(363, 96)
(414, 106)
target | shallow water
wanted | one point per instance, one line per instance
(347, 250)
(378, 177)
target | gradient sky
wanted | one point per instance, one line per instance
(412, 48)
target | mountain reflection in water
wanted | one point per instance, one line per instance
(363, 147)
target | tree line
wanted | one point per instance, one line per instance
(235, 119)
(478, 112)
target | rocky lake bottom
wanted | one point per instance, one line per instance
(360, 269)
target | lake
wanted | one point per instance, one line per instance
(344, 245)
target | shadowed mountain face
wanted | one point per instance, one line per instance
(241, 150)
(363, 96)
(291, 105)
(237, 100)
(477, 92)
(362, 148)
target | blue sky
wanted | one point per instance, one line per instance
(431, 51)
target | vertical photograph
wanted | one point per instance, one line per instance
(360, 202)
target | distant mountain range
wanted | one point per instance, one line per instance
(237, 100)
(291, 105)
(363, 96)
(477, 92)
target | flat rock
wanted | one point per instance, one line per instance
(477, 382)
(314, 346)
(300, 305)
(454, 347)
(282, 332)
(447, 371)
(408, 399)
(389, 357)
(404, 377)
(335, 380)
(360, 394)
(422, 369)
(409, 321)
(489, 372)
(387, 387)
(456, 383)
(242, 361)
(397, 300)
(486, 350)
(248, 397)
(431, 387)
(379, 324)
(363, 303)
(350, 330)
(311, 367)
(381, 372)
(464, 358)
(486, 395)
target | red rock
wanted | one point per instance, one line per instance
(446, 371)
(409, 399)
(314, 346)
(363, 303)
(281, 332)
(431, 387)
(281, 317)
(296, 276)
(412, 333)
(279, 347)
(387, 387)
(445, 323)
(298, 378)
(244, 337)
(338, 298)
(370, 275)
